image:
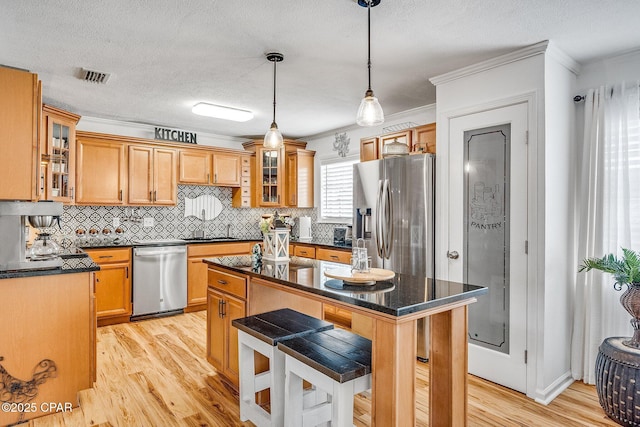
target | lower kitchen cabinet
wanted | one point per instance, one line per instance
(197, 270)
(226, 301)
(113, 285)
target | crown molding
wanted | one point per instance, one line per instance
(553, 51)
(391, 117)
(517, 55)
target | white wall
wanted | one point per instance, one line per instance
(544, 76)
(322, 144)
(611, 70)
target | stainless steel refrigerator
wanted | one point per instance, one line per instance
(393, 203)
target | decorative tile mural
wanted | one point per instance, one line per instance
(170, 222)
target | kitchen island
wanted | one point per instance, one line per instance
(47, 339)
(393, 308)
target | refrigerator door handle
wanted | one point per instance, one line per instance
(379, 245)
(388, 210)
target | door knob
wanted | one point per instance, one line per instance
(453, 255)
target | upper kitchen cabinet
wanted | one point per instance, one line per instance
(421, 139)
(58, 154)
(20, 109)
(152, 175)
(299, 172)
(195, 167)
(101, 170)
(403, 137)
(271, 183)
(424, 139)
(202, 167)
(368, 149)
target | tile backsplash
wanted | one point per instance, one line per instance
(170, 222)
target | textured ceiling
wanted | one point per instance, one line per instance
(166, 55)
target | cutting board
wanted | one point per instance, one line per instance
(346, 275)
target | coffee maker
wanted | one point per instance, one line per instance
(14, 217)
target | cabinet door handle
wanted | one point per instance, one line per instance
(207, 177)
(73, 192)
(126, 270)
(151, 196)
(220, 308)
(278, 199)
(224, 308)
(222, 282)
(120, 196)
(215, 177)
(155, 195)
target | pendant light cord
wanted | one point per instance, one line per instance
(274, 91)
(369, 40)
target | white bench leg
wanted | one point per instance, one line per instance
(342, 404)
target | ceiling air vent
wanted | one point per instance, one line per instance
(94, 76)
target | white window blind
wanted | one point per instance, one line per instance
(336, 190)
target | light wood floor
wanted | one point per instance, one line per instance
(155, 373)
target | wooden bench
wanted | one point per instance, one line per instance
(261, 333)
(337, 363)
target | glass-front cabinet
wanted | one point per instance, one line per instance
(271, 176)
(57, 176)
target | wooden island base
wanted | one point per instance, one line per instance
(394, 356)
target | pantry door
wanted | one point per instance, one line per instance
(488, 236)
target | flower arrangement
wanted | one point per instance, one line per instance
(275, 221)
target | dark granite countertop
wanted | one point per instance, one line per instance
(73, 261)
(400, 296)
(125, 243)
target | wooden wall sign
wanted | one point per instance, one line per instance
(174, 135)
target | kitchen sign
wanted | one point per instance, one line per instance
(174, 135)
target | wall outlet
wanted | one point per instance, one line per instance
(116, 222)
(148, 222)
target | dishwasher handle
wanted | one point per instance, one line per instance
(139, 253)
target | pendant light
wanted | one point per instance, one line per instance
(370, 112)
(273, 137)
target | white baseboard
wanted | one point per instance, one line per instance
(547, 395)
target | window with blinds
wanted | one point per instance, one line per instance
(336, 190)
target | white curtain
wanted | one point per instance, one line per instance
(608, 215)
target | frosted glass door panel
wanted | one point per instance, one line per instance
(486, 233)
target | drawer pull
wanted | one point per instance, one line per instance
(303, 252)
(105, 256)
(222, 282)
(334, 257)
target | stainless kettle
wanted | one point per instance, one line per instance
(43, 221)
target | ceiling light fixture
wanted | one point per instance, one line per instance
(221, 112)
(370, 112)
(273, 137)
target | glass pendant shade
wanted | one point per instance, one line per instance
(273, 137)
(370, 112)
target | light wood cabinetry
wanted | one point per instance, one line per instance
(334, 255)
(58, 155)
(207, 167)
(299, 173)
(424, 139)
(101, 171)
(403, 137)
(368, 149)
(304, 251)
(112, 284)
(277, 181)
(421, 139)
(226, 301)
(195, 167)
(152, 176)
(20, 110)
(46, 318)
(242, 197)
(197, 270)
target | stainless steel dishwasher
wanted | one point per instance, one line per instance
(159, 277)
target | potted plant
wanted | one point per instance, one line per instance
(618, 362)
(626, 271)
